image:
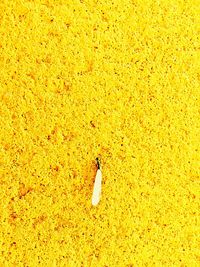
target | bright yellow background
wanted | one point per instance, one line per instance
(116, 79)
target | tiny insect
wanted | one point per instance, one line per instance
(97, 185)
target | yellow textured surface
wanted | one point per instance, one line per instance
(119, 79)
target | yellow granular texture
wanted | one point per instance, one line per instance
(119, 80)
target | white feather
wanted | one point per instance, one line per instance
(97, 188)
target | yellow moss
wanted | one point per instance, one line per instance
(116, 79)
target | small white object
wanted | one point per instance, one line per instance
(97, 186)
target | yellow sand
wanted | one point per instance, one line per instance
(116, 79)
